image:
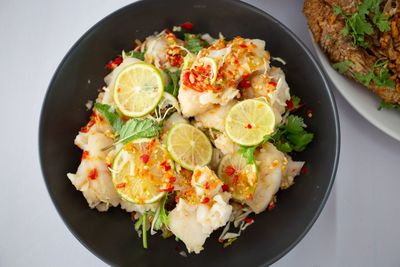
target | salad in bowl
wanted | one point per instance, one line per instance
(191, 134)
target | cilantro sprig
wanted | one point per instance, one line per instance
(133, 54)
(379, 74)
(292, 136)
(358, 24)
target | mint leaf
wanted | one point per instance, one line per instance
(111, 116)
(194, 43)
(342, 66)
(135, 129)
(248, 153)
(173, 85)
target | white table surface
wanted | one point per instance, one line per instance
(358, 227)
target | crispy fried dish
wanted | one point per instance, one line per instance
(362, 40)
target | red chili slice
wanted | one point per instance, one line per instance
(93, 174)
(187, 25)
(144, 158)
(229, 170)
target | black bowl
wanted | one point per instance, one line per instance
(111, 235)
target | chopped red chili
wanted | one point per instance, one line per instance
(225, 188)
(248, 220)
(145, 158)
(304, 170)
(167, 189)
(85, 154)
(229, 170)
(121, 185)
(245, 83)
(249, 126)
(187, 25)
(93, 174)
(112, 64)
(205, 200)
(272, 83)
(207, 185)
(289, 104)
(172, 179)
(165, 165)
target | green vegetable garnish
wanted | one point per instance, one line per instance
(132, 129)
(194, 43)
(358, 25)
(144, 229)
(136, 129)
(387, 105)
(111, 116)
(292, 136)
(162, 218)
(173, 85)
(248, 153)
(134, 54)
(379, 74)
(342, 66)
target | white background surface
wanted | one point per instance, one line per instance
(358, 227)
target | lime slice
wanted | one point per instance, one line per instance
(189, 146)
(138, 89)
(249, 121)
(239, 176)
(142, 171)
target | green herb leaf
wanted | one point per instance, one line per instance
(382, 78)
(357, 24)
(136, 128)
(342, 66)
(194, 43)
(162, 218)
(111, 116)
(248, 153)
(138, 223)
(135, 54)
(292, 136)
(173, 85)
(296, 102)
(387, 105)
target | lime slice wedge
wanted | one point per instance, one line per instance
(142, 171)
(249, 121)
(189, 146)
(138, 89)
(239, 176)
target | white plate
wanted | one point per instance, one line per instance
(362, 100)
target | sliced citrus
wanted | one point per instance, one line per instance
(138, 89)
(239, 176)
(142, 171)
(249, 121)
(189, 146)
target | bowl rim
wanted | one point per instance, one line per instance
(254, 9)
